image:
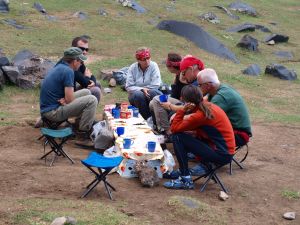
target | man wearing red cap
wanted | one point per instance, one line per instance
(189, 67)
(143, 81)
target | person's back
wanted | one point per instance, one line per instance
(53, 86)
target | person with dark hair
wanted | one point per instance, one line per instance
(162, 111)
(230, 101)
(143, 81)
(58, 101)
(83, 76)
(213, 138)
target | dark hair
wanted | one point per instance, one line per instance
(191, 93)
(68, 60)
(174, 57)
(77, 39)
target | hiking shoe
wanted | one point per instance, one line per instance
(183, 182)
(172, 175)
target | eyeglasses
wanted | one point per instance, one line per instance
(84, 49)
(200, 85)
(144, 59)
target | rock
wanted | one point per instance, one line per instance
(25, 82)
(235, 17)
(2, 80)
(210, 17)
(106, 74)
(38, 6)
(281, 72)
(243, 8)
(272, 42)
(4, 61)
(21, 56)
(223, 196)
(289, 215)
(112, 82)
(64, 221)
(4, 6)
(277, 38)
(284, 54)
(248, 42)
(262, 28)
(102, 12)
(242, 27)
(12, 73)
(107, 90)
(14, 23)
(80, 15)
(253, 70)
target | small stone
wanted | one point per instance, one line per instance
(107, 90)
(223, 196)
(272, 42)
(59, 221)
(112, 82)
(289, 215)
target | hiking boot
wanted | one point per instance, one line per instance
(198, 171)
(183, 182)
(172, 175)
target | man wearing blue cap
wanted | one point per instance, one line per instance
(58, 101)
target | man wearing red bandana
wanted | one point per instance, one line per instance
(143, 81)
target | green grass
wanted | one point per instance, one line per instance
(116, 38)
(44, 211)
(289, 194)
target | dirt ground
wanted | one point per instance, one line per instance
(255, 192)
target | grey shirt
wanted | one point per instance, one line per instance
(137, 79)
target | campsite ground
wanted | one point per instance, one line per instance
(33, 193)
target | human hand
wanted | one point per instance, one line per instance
(188, 107)
(87, 73)
(92, 84)
(146, 92)
(62, 101)
(166, 105)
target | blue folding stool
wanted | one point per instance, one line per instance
(51, 136)
(104, 165)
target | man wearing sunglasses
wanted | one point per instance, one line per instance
(230, 101)
(143, 81)
(58, 101)
(83, 76)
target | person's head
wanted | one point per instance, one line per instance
(173, 62)
(208, 81)
(74, 57)
(190, 67)
(143, 57)
(192, 94)
(82, 43)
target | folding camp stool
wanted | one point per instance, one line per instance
(104, 165)
(211, 175)
(238, 150)
(52, 136)
(51, 124)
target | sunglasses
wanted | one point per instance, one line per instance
(84, 49)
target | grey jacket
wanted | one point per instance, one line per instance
(137, 79)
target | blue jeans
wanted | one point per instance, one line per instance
(139, 100)
(184, 143)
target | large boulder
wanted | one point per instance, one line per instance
(243, 8)
(277, 38)
(12, 73)
(281, 72)
(4, 61)
(2, 80)
(249, 43)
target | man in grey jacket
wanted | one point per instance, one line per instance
(143, 81)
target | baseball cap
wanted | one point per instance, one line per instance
(190, 61)
(74, 53)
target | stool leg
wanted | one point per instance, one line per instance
(237, 163)
(220, 183)
(206, 182)
(107, 189)
(90, 189)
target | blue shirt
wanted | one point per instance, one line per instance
(53, 86)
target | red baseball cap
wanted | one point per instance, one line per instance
(190, 60)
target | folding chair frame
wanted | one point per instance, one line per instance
(100, 176)
(211, 175)
(57, 148)
(52, 125)
(237, 149)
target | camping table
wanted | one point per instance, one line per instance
(137, 129)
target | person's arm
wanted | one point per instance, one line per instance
(81, 79)
(171, 107)
(155, 77)
(131, 80)
(69, 94)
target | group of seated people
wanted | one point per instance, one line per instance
(202, 116)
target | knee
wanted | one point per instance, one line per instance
(137, 96)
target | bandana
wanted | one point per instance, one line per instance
(142, 55)
(172, 64)
(190, 61)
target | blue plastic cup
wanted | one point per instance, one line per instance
(120, 130)
(151, 145)
(127, 142)
(116, 113)
(163, 98)
(135, 112)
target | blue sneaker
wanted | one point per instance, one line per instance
(198, 170)
(172, 175)
(183, 182)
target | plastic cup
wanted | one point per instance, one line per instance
(135, 112)
(120, 130)
(151, 145)
(127, 142)
(163, 98)
(116, 113)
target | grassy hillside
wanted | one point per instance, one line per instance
(116, 36)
